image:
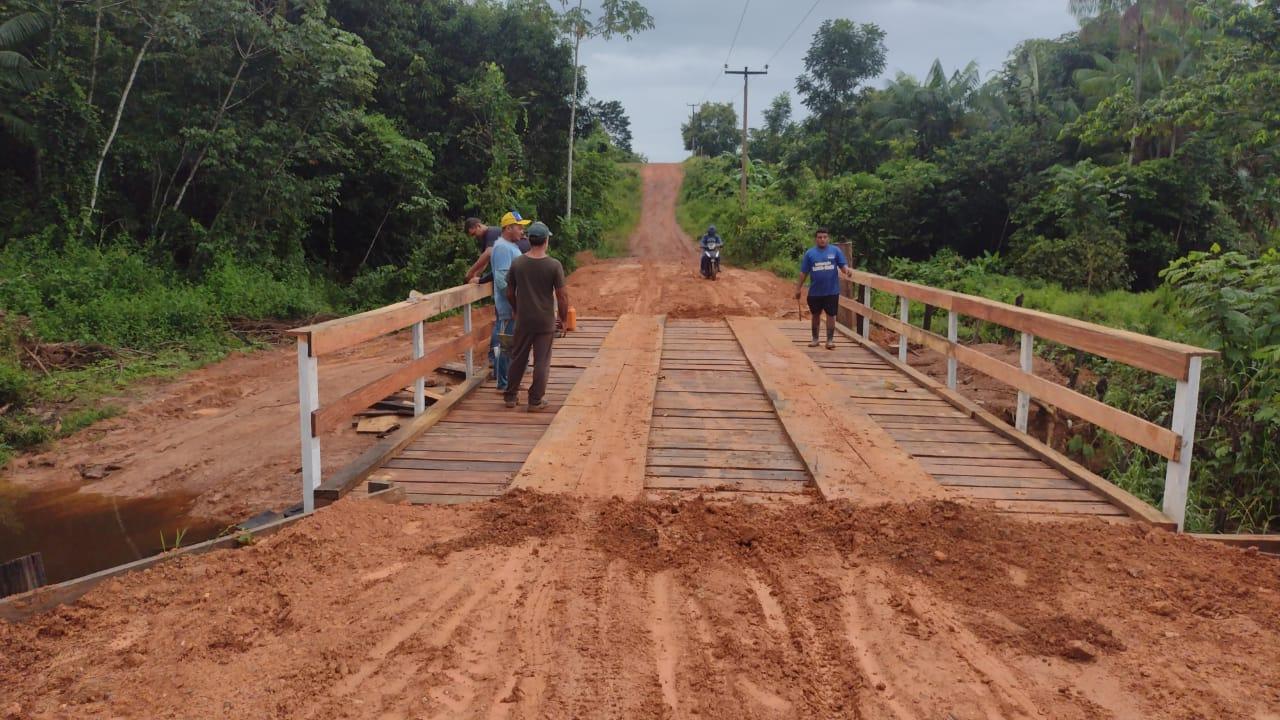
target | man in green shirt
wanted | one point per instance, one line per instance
(535, 288)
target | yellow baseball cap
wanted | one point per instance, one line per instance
(513, 218)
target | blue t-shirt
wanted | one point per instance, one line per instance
(504, 253)
(823, 268)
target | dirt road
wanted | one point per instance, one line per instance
(661, 276)
(550, 607)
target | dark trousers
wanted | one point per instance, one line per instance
(540, 345)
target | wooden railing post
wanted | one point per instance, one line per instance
(904, 314)
(1024, 397)
(953, 335)
(866, 320)
(471, 353)
(1177, 477)
(420, 383)
(308, 403)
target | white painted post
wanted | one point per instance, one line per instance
(1024, 398)
(419, 383)
(471, 351)
(1177, 477)
(904, 314)
(308, 403)
(953, 334)
(866, 321)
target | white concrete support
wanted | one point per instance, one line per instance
(308, 403)
(866, 321)
(471, 351)
(904, 315)
(953, 334)
(420, 383)
(1024, 398)
(1177, 477)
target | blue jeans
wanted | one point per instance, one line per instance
(502, 363)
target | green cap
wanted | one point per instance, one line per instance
(539, 230)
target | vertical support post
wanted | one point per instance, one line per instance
(471, 351)
(1024, 398)
(419, 383)
(866, 321)
(904, 315)
(953, 335)
(1177, 477)
(308, 403)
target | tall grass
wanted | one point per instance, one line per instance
(622, 212)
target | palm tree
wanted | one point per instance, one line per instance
(16, 71)
(933, 110)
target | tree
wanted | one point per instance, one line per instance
(617, 17)
(842, 56)
(609, 116)
(16, 71)
(768, 143)
(712, 130)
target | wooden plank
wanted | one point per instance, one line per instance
(1267, 543)
(378, 425)
(1076, 494)
(668, 400)
(726, 443)
(797, 476)
(334, 335)
(762, 437)
(405, 463)
(848, 455)
(596, 445)
(1056, 508)
(977, 435)
(702, 423)
(337, 412)
(964, 450)
(415, 480)
(1131, 505)
(744, 484)
(487, 455)
(341, 482)
(1006, 482)
(986, 468)
(515, 416)
(424, 498)
(741, 460)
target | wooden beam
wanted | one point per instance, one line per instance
(849, 456)
(1165, 357)
(1131, 505)
(337, 412)
(348, 477)
(596, 445)
(345, 332)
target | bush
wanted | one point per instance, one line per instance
(15, 383)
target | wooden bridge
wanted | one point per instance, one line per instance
(644, 406)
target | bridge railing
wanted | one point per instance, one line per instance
(1174, 360)
(329, 337)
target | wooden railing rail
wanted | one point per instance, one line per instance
(342, 333)
(1174, 360)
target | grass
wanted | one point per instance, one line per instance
(624, 200)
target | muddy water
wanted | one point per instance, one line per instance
(79, 533)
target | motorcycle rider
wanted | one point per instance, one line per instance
(710, 240)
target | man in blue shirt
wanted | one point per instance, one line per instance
(504, 251)
(823, 264)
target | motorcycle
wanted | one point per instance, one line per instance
(711, 260)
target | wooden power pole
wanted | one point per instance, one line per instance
(693, 137)
(746, 74)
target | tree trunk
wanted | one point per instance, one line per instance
(115, 128)
(97, 46)
(573, 120)
(217, 123)
(1137, 85)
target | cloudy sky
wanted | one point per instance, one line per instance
(682, 59)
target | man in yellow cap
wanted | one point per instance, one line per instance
(485, 237)
(500, 255)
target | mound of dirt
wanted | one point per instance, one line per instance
(536, 606)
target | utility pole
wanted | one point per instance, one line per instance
(693, 110)
(746, 74)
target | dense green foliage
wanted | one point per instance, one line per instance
(170, 167)
(1125, 174)
(712, 130)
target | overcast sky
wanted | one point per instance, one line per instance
(682, 59)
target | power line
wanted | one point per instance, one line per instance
(793, 32)
(732, 45)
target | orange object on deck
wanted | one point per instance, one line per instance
(572, 323)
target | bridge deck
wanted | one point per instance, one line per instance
(962, 454)
(714, 429)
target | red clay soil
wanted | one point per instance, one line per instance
(537, 606)
(661, 276)
(225, 434)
